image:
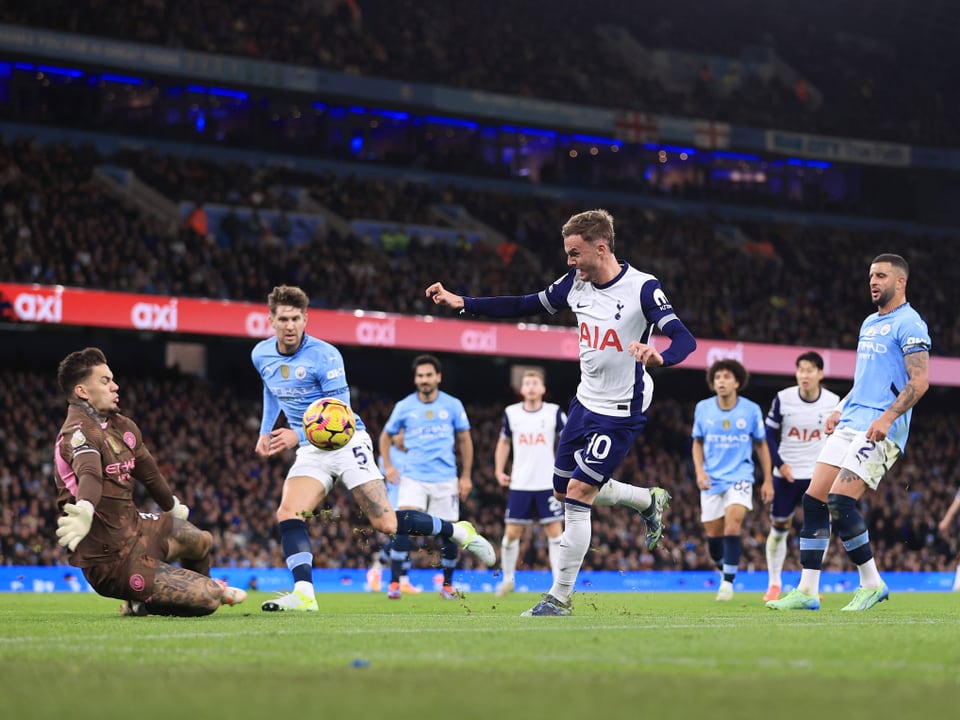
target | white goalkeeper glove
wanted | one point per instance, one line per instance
(179, 510)
(73, 526)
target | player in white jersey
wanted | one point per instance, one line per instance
(617, 308)
(795, 436)
(530, 430)
(944, 526)
(297, 369)
(867, 436)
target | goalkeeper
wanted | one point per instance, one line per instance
(124, 553)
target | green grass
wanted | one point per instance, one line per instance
(621, 655)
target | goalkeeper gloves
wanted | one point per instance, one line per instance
(179, 510)
(73, 526)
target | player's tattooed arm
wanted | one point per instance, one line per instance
(184, 589)
(917, 365)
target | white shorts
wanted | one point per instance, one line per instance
(713, 507)
(441, 499)
(353, 464)
(868, 460)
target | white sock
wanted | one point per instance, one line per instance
(809, 582)
(553, 549)
(509, 554)
(304, 588)
(776, 555)
(615, 492)
(869, 575)
(956, 580)
(574, 544)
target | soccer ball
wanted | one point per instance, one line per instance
(329, 423)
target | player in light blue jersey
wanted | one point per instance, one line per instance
(617, 308)
(727, 431)
(868, 433)
(297, 369)
(433, 423)
(398, 454)
(795, 436)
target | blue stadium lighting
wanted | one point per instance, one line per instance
(6, 69)
(724, 155)
(678, 149)
(795, 162)
(319, 106)
(533, 132)
(23, 66)
(591, 140)
(122, 79)
(356, 144)
(54, 70)
(392, 114)
(822, 164)
(357, 110)
(221, 92)
(454, 122)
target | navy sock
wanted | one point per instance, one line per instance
(851, 528)
(399, 552)
(815, 534)
(295, 541)
(715, 545)
(416, 522)
(448, 559)
(732, 547)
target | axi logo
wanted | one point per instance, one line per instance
(34, 307)
(150, 316)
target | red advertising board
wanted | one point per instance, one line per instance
(126, 311)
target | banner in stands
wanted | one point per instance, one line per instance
(58, 305)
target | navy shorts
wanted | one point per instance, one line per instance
(526, 506)
(592, 446)
(787, 497)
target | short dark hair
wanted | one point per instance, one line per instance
(427, 360)
(287, 295)
(896, 260)
(734, 366)
(811, 357)
(76, 367)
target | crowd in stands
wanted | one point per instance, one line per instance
(748, 281)
(881, 68)
(212, 467)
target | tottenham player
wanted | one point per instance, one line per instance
(297, 369)
(795, 437)
(617, 307)
(530, 429)
(868, 433)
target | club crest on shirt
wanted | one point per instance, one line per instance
(741, 423)
(300, 373)
(77, 439)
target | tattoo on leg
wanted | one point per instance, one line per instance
(372, 499)
(845, 476)
(182, 592)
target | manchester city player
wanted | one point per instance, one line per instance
(297, 369)
(868, 433)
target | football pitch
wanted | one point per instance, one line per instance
(666, 655)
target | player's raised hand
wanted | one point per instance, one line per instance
(441, 296)
(74, 524)
(179, 510)
(645, 354)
